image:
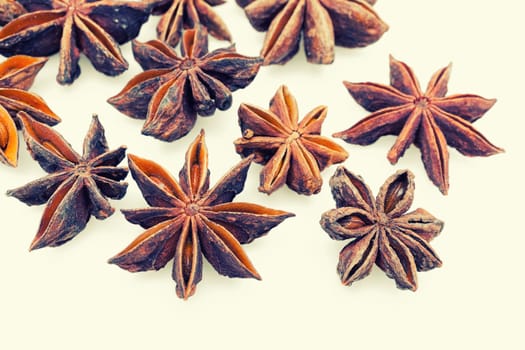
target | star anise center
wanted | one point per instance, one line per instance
(192, 209)
(422, 102)
(187, 64)
(382, 219)
(82, 169)
(293, 136)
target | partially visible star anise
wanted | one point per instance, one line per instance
(77, 185)
(185, 14)
(188, 219)
(323, 23)
(173, 89)
(17, 74)
(9, 10)
(380, 230)
(428, 119)
(93, 27)
(292, 152)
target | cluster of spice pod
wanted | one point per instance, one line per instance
(186, 218)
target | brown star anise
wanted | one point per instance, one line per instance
(93, 27)
(17, 74)
(293, 152)
(179, 14)
(187, 219)
(428, 119)
(76, 187)
(173, 90)
(381, 231)
(323, 23)
(9, 10)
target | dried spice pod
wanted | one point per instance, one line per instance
(173, 90)
(185, 14)
(9, 10)
(187, 219)
(292, 152)
(429, 119)
(17, 74)
(76, 187)
(322, 23)
(93, 27)
(382, 232)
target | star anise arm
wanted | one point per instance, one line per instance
(282, 39)
(8, 139)
(421, 223)
(261, 122)
(387, 121)
(149, 217)
(171, 113)
(154, 54)
(194, 43)
(114, 189)
(202, 101)
(467, 106)
(158, 187)
(349, 190)
(245, 221)
(19, 72)
(194, 177)
(170, 24)
(51, 151)
(261, 12)
(304, 175)
(98, 204)
(396, 260)
(434, 153)
(33, 34)
(212, 21)
(284, 106)
(275, 172)
(187, 265)
(229, 186)
(462, 136)
(437, 86)
(355, 23)
(325, 151)
(68, 68)
(425, 257)
(318, 32)
(95, 142)
(152, 249)
(135, 97)
(17, 100)
(9, 10)
(396, 194)
(39, 191)
(223, 251)
(221, 94)
(57, 225)
(357, 258)
(347, 222)
(403, 78)
(262, 147)
(406, 136)
(373, 97)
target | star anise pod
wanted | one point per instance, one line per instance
(323, 24)
(76, 187)
(9, 10)
(185, 14)
(173, 90)
(17, 74)
(93, 27)
(380, 230)
(188, 219)
(428, 119)
(292, 152)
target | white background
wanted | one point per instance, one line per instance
(70, 298)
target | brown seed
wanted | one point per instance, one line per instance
(428, 119)
(187, 219)
(381, 230)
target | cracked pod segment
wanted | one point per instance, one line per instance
(174, 89)
(380, 230)
(93, 27)
(292, 151)
(17, 74)
(77, 185)
(187, 220)
(322, 23)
